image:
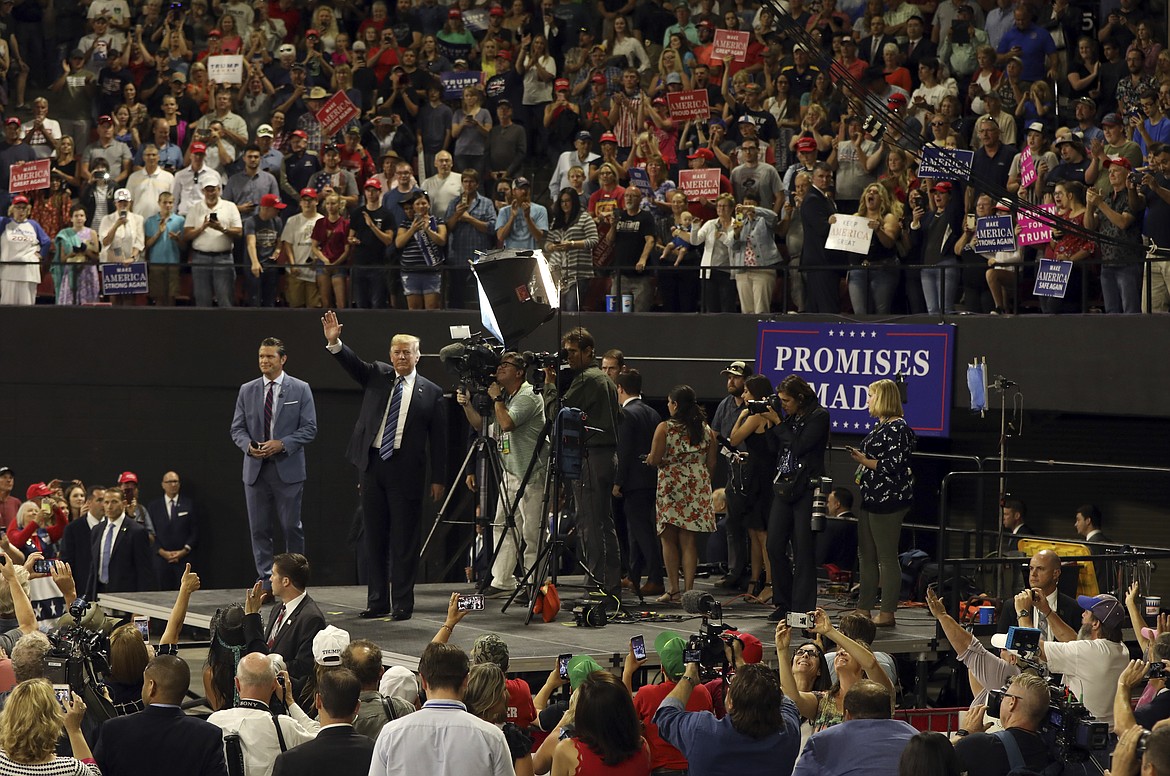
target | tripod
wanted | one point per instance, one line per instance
(488, 469)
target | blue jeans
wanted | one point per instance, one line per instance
(948, 278)
(1121, 285)
(214, 276)
(872, 290)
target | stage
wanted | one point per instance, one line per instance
(534, 648)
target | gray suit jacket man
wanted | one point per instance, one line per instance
(295, 426)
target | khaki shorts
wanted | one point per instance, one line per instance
(301, 293)
(163, 282)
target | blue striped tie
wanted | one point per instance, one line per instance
(104, 560)
(387, 448)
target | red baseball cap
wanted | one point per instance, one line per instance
(561, 85)
(215, 34)
(454, 13)
(504, 54)
(702, 153)
(308, 193)
(312, 34)
(125, 477)
(896, 99)
(37, 490)
(300, 133)
(599, 78)
(1121, 161)
(105, 119)
(20, 199)
(753, 650)
(271, 200)
(496, 11)
(943, 186)
(374, 183)
(806, 144)
(198, 148)
(609, 137)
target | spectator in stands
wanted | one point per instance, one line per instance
(1116, 213)
(255, 724)
(248, 187)
(331, 245)
(859, 627)
(867, 733)
(441, 734)
(364, 659)
(296, 244)
(1031, 43)
(115, 152)
(1023, 713)
(422, 241)
(938, 230)
(1147, 713)
(213, 225)
(262, 244)
(522, 223)
(74, 548)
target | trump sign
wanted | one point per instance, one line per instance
(840, 360)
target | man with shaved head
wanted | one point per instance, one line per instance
(1043, 579)
(161, 732)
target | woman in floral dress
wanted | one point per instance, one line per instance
(684, 451)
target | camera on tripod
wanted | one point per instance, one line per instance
(538, 362)
(822, 487)
(473, 361)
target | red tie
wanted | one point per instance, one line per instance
(276, 627)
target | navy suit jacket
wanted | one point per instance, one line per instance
(339, 750)
(160, 739)
(130, 563)
(635, 435)
(294, 642)
(173, 533)
(296, 426)
(75, 548)
(425, 420)
(814, 216)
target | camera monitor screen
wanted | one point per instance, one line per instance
(516, 293)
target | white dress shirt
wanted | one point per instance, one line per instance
(407, 392)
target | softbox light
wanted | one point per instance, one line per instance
(516, 293)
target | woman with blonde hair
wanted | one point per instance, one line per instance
(669, 62)
(887, 493)
(30, 726)
(486, 697)
(872, 285)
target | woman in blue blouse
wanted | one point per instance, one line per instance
(887, 491)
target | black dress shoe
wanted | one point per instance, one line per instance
(400, 614)
(369, 614)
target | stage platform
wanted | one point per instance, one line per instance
(534, 648)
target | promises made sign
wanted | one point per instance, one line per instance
(840, 360)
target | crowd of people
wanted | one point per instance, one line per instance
(461, 112)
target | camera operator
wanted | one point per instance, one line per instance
(596, 396)
(518, 421)
(1157, 708)
(1093, 660)
(1022, 714)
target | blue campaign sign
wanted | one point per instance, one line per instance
(1052, 278)
(948, 164)
(840, 360)
(124, 278)
(640, 178)
(454, 82)
(994, 233)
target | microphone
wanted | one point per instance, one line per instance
(697, 602)
(452, 352)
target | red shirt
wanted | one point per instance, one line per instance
(291, 19)
(521, 712)
(331, 236)
(9, 506)
(646, 702)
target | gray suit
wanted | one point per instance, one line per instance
(273, 486)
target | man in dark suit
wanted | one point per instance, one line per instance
(822, 287)
(918, 45)
(402, 415)
(161, 732)
(338, 748)
(76, 543)
(870, 48)
(294, 621)
(275, 418)
(635, 483)
(175, 532)
(1043, 580)
(120, 549)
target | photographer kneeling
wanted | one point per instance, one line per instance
(1022, 713)
(518, 422)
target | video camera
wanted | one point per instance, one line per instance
(538, 362)
(760, 406)
(80, 657)
(706, 646)
(473, 361)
